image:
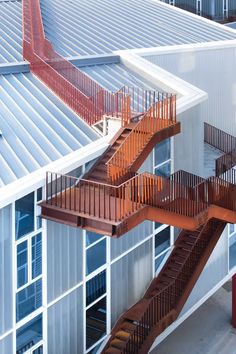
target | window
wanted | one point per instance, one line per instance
(29, 335)
(96, 256)
(36, 255)
(28, 300)
(22, 264)
(24, 215)
(29, 260)
(95, 322)
(92, 237)
(95, 287)
(162, 241)
(162, 246)
(163, 170)
(162, 152)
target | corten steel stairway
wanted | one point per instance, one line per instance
(112, 198)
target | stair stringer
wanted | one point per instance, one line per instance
(135, 311)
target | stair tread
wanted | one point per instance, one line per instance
(118, 343)
(113, 350)
(123, 335)
(128, 326)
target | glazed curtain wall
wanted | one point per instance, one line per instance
(130, 277)
(6, 292)
(64, 258)
(65, 324)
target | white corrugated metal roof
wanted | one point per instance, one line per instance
(102, 26)
(114, 76)
(37, 128)
(10, 31)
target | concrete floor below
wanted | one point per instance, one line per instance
(207, 331)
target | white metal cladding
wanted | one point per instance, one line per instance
(114, 76)
(6, 344)
(130, 277)
(215, 271)
(64, 258)
(101, 26)
(212, 71)
(10, 31)
(65, 324)
(37, 128)
(6, 292)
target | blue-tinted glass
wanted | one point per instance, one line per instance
(22, 264)
(157, 225)
(39, 194)
(39, 350)
(36, 255)
(28, 299)
(159, 260)
(95, 287)
(96, 349)
(231, 228)
(24, 215)
(162, 152)
(163, 170)
(95, 322)
(96, 256)
(39, 222)
(92, 237)
(162, 241)
(28, 335)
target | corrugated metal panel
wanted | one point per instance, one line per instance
(211, 71)
(65, 324)
(64, 258)
(37, 128)
(101, 26)
(130, 277)
(6, 291)
(10, 31)
(114, 76)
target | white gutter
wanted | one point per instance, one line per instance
(35, 180)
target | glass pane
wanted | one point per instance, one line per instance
(162, 241)
(28, 335)
(92, 237)
(231, 228)
(28, 299)
(39, 222)
(163, 170)
(24, 215)
(39, 194)
(36, 255)
(96, 349)
(96, 256)
(95, 287)
(95, 322)
(22, 264)
(157, 225)
(159, 260)
(232, 251)
(39, 350)
(162, 152)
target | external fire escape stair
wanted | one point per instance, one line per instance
(112, 198)
(167, 293)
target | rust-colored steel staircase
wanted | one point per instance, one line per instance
(112, 198)
(138, 327)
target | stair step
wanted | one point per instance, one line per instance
(117, 343)
(182, 253)
(186, 246)
(128, 326)
(113, 350)
(178, 260)
(123, 335)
